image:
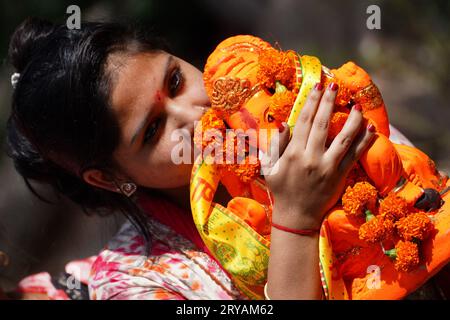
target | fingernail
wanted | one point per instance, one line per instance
(281, 129)
(371, 128)
(333, 86)
(318, 86)
(357, 107)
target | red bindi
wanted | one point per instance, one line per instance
(158, 96)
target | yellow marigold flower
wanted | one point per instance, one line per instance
(393, 207)
(358, 198)
(376, 229)
(274, 66)
(406, 255)
(416, 226)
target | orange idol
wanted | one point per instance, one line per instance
(390, 231)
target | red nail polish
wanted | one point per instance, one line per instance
(318, 86)
(333, 86)
(357, 107)
(371, 128)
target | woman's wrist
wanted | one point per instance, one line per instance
(301, 232)
(293, 271)
(295, 218)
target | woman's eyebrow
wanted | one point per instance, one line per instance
(144, 121)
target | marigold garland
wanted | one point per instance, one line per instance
(247, 171)
(344, 95)
(210, 121)
(275, 66)
(281, 104)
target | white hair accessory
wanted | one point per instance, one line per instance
(14, 79)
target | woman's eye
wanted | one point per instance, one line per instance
(151, 130)
(175, 82)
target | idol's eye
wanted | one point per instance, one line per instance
(152, 130)
(175, 82)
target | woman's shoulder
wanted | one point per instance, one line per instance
(167, 267)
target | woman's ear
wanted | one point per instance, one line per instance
(100, 179)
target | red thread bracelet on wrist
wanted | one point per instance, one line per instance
(303, 232)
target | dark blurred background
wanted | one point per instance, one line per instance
(408, 59)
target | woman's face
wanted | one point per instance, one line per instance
(153, 95)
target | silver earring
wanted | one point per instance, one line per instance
(128, 188)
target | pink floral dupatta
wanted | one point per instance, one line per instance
(177, 219)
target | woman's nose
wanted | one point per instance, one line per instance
(186, 114)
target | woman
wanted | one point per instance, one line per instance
(92, 115)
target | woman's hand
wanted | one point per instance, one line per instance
(306, 182)
(308, 178)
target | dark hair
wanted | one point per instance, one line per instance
(61, 121)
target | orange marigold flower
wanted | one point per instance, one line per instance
(344, 94)
(210, 121)
(393, 207)
(337, 121)
(281, 104)
(416, 226)
(406, 255)
(376, 229)
(247, 171)
(274, 66)
(230, 146)
(358, 198)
